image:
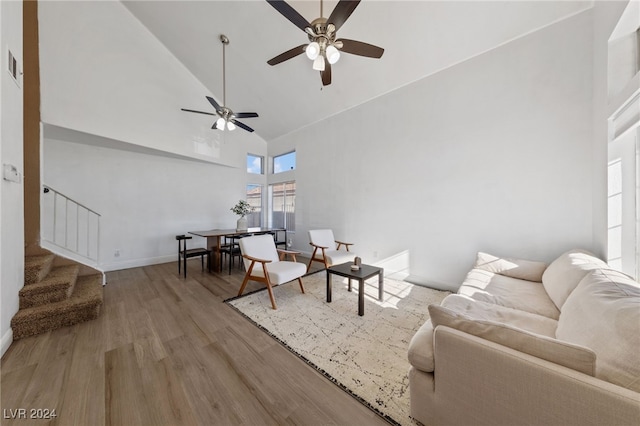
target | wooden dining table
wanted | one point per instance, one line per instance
(214, 239)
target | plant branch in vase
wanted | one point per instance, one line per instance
(242, 208)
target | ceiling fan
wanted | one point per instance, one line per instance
(227, 118)
(323, 48)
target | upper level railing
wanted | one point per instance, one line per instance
(70, 225)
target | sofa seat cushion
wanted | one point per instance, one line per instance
(564, 273)
(515, 268)
(553, 350)
(603, 314)
(476, 309)
(421, 348)
(509, 292)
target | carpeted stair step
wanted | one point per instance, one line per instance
(56, 286)
(37, 267)
(83, 305)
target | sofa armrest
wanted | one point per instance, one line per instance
(481, 382)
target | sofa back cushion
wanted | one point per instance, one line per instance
(515, 268)
(564, 274)
(562, 353)
(603, 314)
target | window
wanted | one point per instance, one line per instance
(255, 164)
(623, 207)
(254, 198)
(283, 205)
(284, 162)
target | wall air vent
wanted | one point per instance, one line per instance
(14, 68)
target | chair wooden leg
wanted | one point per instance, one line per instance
(244, 284)
(246, 278)
(270, 290)
(313, 256)
(301, 286)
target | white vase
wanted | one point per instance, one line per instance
(242, 224)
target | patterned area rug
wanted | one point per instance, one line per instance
(366, 356)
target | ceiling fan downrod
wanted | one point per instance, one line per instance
(225, 40)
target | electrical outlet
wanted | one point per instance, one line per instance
(116, 253)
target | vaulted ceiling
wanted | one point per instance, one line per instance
(419, 37)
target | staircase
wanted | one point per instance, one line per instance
(57, 292)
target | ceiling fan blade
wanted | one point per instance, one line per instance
(199, 112)
(215, 125)
(246, 114)
(342, 11)
(326, 74)
(242, 125)
(290, 13)
(214, 103)
(361, 49)
(291, 53)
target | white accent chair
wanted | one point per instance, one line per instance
(326, 249)
(263, 264)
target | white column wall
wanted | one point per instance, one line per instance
(493, 154)
(11, 152)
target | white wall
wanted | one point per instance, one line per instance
(105, 74)
(493, 154)
(11, 152)
(144, 199)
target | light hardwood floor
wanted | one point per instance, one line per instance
(168, 351)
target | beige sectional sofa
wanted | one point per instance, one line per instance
(526, 344)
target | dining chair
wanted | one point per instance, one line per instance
(326, 249)
(231, 249)
(184, 253)
(263, 264)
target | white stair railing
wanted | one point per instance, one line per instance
(70, 225)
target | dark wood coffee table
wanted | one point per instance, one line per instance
(364, 273)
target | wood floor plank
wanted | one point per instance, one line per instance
(163, 390)
(82, 399)
(125, 403)
(168, 351)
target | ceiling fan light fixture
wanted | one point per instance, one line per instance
(333, 54)
(231, 126)
(318, 63)
(220, 123)
(312, 50)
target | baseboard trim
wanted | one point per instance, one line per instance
(7, 340)
(136, 263)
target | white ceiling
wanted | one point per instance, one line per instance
(419, 38)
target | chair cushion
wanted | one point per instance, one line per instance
(323, 238)
(336, 257)
(280, 272)
(564, 273)
(603, 314)
(516, 268)
(260, 247)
